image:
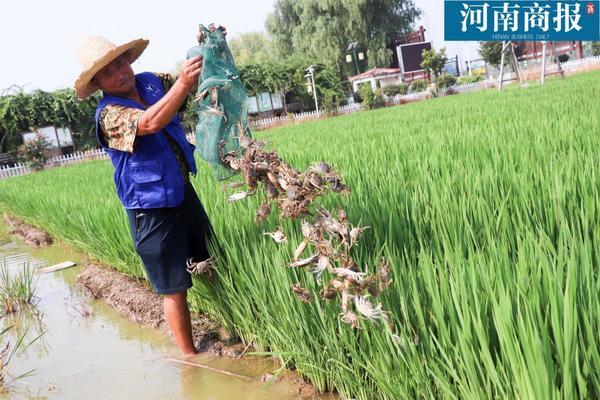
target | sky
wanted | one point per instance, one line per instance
(39, 39)
(432, 19)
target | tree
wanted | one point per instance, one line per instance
(251, 48)
(266, 76)
(434, 62)
(491, 52)
(323, 29)
(329, 87)
(24, 112)
(288, 77)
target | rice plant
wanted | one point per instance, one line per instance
(7, 353)
(487, 206)
(17, 289)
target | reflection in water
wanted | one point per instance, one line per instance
(89, 351)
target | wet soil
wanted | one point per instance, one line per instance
(28, 233)
(135, 299)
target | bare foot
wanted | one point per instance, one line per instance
(191, 353)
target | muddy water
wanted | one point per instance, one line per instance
(103, 355)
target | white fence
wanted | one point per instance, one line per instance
(471, 87)
(266, 122)
(17, 170)
(348, 109)
(58, 161)
(574, 65)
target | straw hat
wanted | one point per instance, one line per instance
(96, 53)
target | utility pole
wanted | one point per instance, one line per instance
(355, 60)
(311, 75)
(353, 46)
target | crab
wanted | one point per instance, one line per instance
(201, 267)
(351, 319)
(305, 262)
(349, 274)
(233, 185)
(315, 180)
(329, 237)
(333, 226)
(239, 196)
(332, 288)
(302, 293)
(336, 185)
(263, 212)
(278, 236)
(326, 248)
(384, 273)
(310, 232)
(355, 232)
(321, 168)
(368, 310)
(371, 285)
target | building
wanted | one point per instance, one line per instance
(532, 51)
(377, 77)
(405, 67)
(60, 139)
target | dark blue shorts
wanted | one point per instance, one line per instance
(165, 238)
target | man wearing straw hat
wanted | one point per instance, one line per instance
(138, 125)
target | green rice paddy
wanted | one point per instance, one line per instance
(487, 205)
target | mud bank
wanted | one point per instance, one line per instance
(28, 233)
(134, 299)
(131, 297)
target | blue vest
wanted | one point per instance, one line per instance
(150, 177)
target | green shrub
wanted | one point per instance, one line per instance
(393, 90)
(371, 100)
(419, 85)
(463, 80)
(35, 153)
(445, 81)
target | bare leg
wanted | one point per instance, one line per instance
(177, 315)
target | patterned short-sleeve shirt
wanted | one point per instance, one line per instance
(119, 127)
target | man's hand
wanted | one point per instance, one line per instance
(213, 27)
(157, 116)
(190, 72)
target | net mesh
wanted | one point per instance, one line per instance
(221, 103)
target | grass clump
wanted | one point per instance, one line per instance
(17, 289)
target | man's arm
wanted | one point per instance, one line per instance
(168, 80)
(157, 116)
